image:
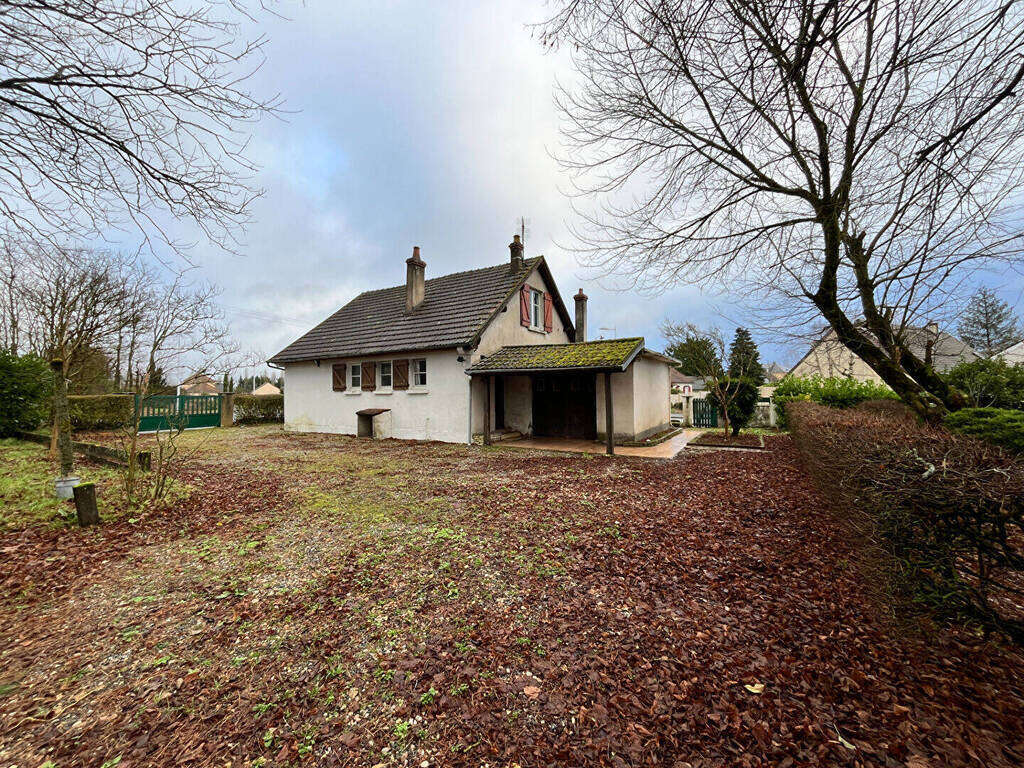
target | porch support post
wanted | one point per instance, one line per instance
(487, 410)
(608, 422)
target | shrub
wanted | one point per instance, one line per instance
(946, 509)
(835, 392)
(26, 386)
(256, 409)
(994, 425)
(741, 395)
(990, 383)
(101, 411)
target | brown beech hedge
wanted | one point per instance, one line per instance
(946, 510)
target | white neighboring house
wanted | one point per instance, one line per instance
(1014, 355)
(266, 389)
(487, 351)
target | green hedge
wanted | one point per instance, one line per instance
(258, 409)
(101, 411)
(835, 392)
(998, 426)
(990, 383)
(26, 386)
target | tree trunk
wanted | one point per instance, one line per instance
(62, 418)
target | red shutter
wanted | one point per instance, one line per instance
(547, 312)
(338, 371)
(524, 306)
(400, 374)
(369, 382)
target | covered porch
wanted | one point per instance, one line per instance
(577, 392)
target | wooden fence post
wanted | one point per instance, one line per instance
(85, 504)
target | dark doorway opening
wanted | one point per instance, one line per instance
(564, 406)
(499, 402)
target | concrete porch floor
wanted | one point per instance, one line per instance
(667, 450)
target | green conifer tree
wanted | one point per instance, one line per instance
(744, 359)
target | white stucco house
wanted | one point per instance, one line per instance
(483, 352)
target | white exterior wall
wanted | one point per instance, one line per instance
(652, 407)
(436, 412)
(623, 424)
(439, 412)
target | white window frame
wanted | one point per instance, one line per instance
(380, 374)
(536, 309)
(355, 377)
(415, 372)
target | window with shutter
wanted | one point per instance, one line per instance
(548, 324)
(338, 377)
(524, 306)
(369, 376)
(357, 378)
(400, 374)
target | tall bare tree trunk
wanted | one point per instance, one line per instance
(62, 417)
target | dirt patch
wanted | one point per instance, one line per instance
(742, 440)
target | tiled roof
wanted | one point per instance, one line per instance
(610, 354)
(454, 311)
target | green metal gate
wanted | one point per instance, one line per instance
(705, 412)
(171, 411)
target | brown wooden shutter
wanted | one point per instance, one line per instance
(338, 371)
(524, 306)
(369, 382)
(548, 325)
(399, 374)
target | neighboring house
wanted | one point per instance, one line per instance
(266, 389)
(446, 358)
(774, 373)
(199, 384)
(1014, 355)
(830, 358)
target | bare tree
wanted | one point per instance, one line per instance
(116, 113)
(858, 158)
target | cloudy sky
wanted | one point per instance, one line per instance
(413, 123)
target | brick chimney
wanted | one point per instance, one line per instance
(581, 316)
(516, 250)
(415, 267)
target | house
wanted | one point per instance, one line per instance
(266, 389)
(199, 384)
(486, 351)
(828, 356)
(1013, 354)
(774, 373)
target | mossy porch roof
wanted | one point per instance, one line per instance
(604, 355)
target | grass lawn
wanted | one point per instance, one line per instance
(322, 600)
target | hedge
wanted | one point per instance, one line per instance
(26, 387)
(256, 409)
(998, 426)
(101, 411)
(835, 392)
(945, 510)
(990, 383)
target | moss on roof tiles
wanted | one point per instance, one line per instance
(609, 353)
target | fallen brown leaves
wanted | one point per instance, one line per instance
(337, 602)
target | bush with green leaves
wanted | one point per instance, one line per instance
(740, 397)
(999, 426)
(258, 409)
(101, 411)
(990, 383)
(835, 392)
(26, 387)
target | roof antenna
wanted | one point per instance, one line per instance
(522, 229)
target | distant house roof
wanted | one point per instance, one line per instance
(456, 309)
(946, 353)
(266, 389)
(603, 355)
(200, 384)
(678, 378)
